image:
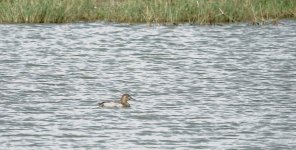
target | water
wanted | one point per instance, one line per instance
(196, 87)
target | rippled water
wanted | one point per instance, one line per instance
(196, 87)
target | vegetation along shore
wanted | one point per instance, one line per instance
(146, 11)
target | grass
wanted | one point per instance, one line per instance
(146, 11)
(46, 11)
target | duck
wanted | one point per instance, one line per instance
(121, 104)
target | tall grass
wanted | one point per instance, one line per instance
(146, 11)
(197, 11)
(46, 11)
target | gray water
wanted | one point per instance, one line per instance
(196, 87)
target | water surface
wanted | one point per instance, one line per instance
(196, 87)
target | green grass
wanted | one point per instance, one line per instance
(46, 11)
(146, 11)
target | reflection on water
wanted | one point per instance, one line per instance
(196, 87)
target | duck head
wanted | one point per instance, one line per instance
(125, 98)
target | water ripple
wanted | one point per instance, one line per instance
(196, 87)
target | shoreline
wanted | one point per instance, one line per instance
(164, 12)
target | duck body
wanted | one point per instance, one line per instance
(121, 104)
(113, 105)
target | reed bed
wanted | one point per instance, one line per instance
(146, 11)
(46, 11)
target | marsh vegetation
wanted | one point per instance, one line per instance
(146, 11)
